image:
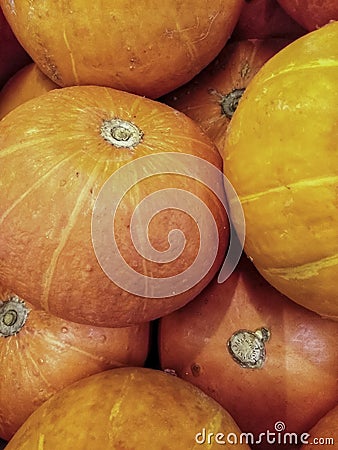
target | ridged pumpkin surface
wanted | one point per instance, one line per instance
(55, 157)
(212, 96)
(128, 408)
(281, 156)
(48, 353)
(144, 47)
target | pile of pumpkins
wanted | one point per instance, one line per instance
(168, 224)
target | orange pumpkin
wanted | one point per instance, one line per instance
(12, 55)
(41, 354)
(134, 408)
(280, 155)
(29, 82)
(311, 14)
(324, 433)
(264, 19)
(212, 96)
(94, 184)
(265, 359)
(141, 47)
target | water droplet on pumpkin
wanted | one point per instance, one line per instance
(41, 360)
(35, 372)
(102, 338)
(64, 330)
(37, 402)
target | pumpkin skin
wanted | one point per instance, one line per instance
(49, 353)
(12, 55)
(288, 184)
(29, 82)
(55, 143)
(301, 354)
(311, 14)
(208, 98)
(324, 433)
(125, 408)
(264, 19)
(173, 44)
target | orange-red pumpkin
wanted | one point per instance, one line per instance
(264, 19)
(29, 82)
(262, 357)
(40, 354)
(142, 47)
(311, 14)
(134, 408)
(281, 156)
(212, 96)
(91, 238)
(324, 433)
(12, 55)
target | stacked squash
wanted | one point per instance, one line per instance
(168, 225)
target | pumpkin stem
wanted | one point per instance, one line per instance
(247, 348)
(13, 315)
(230, 102)
(121, 133)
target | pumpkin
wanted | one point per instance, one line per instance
(212, 96)
(141, 47)
(311, 14)
(94, 183)
(270, 362)
(324, 432)
(40, 354)
(29, 82)
(264, 19)
(126, 408)
(280, 156)
(12, 55)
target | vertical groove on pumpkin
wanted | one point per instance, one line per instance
(36, 185)
(49, 272)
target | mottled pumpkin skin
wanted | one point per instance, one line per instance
(49, 353)
(131, 408)
(324, 433)
(281, 156)
(297, 382)
(234, 67)
(29, 82)
(142, 47)
(54, 162)
(311, 14)
(264, 19)
(12, 55)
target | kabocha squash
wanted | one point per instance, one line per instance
(324, 433)
(142, 47)
(281, 156)
(265, 359)
(27, 83)
(94, 181)
(12, 55)
(134, 408)
(40, 354)
(311, 14)
(212, 96)
(265, 19)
